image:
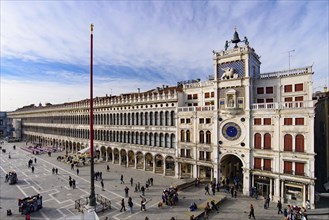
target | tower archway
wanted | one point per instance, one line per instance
(231, 169)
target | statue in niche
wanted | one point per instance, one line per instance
(230, 101)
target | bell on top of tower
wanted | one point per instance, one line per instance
(236, 40)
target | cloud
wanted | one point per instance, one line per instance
(160, 42)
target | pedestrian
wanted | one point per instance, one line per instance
(235, 193)
(143, 190)
(206, 211)
(122, 182)
(252, 212)
(70, 182)
(108, 168)
(32, 169)
(279, 206)
(53, 170)
(72, 166)
(126, 191)
(213, 206)
(73, 183)
(206, 189)
(213, 189)
(130, 204)
(151, 179)
(143, 204)
(102, 184)
(78, 171)
(101, 175)
(139, 187)
(232, 191)
(35, 160)
(131, 181)
(268, 201)
(123, 205)
(56, 171)
(136, 189)
(218, 186)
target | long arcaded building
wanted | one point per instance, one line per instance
(240, 125)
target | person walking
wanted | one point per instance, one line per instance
(72, 166)
(235, 193)
(139, 186)
(206, 189)
(130, 204)
(213, 189)
(268, 201)
(35, 160)
(131, 181)
(108, 168)
(232, 191)
(143, 190)
(73, 183)
(102, 184)
(123, 205)
(206, 211)
(126, 191)
(53, 170)
(32, 169)
(122, 182)
(56, 170)
(252, 212)
(218, 186)
(279, 206)
(78, 171)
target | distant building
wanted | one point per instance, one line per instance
(3, 125)
(321, 132)
(240, 127)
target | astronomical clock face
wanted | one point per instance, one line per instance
(231, 131)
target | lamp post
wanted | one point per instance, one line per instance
(92, 199)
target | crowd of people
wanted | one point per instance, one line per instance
(170, 196)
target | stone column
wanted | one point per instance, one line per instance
(271, 183)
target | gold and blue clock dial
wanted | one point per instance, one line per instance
(231, 131)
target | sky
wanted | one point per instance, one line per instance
(45, 45)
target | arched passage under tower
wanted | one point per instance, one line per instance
(231, 169)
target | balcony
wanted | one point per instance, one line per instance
(283, 105)
(263, 168)
(196, 108)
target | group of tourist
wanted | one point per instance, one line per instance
(170, 196)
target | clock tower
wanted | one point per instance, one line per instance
(234, 69)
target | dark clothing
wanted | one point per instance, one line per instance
(123, 205)
(279, 205)
(252, 212)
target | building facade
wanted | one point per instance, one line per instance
(241, 126)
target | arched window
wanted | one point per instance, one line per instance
(151, 118)
(188, 136)
(141, 122)
(201, 137)
(257, 141)
(287, 142)
(267, 141)
(156, 115)
(172, 141)
(167, 119)
(167, 140)
(299, 143)
(208, 137)
(161, 140)
(182, 135)
(172, 118)
(161, 118)
(146, 118)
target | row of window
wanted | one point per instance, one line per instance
(265, 164)
(162, 118)
(142, 138)
(206, 95)
(204, 137)
(201, 120)
(287, 88)
(203, 155)
(288, 143)
(286, 121)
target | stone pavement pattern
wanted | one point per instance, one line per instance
(58, 197)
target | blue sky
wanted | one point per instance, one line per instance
(145, 44)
